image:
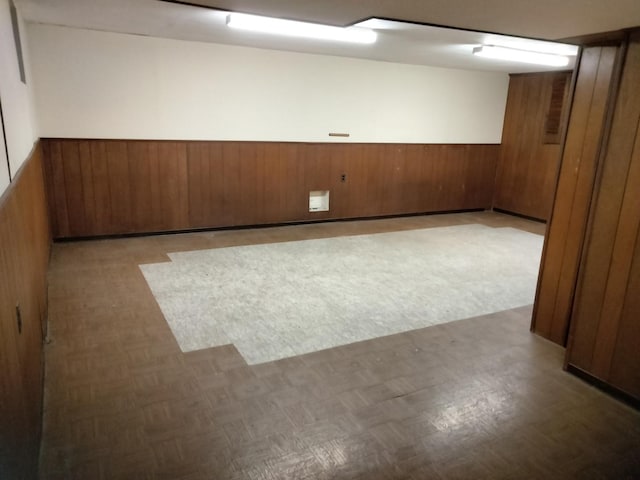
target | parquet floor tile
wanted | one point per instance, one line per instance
(477, 398)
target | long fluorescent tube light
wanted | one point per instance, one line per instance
(292, 28)
(525, 56)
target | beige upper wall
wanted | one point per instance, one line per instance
(17, 104)
(92, 84)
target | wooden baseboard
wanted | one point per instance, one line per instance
(516, 214)
(605, 387)
(262, 225)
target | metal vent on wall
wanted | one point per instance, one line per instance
(319, 201)
(557, 106)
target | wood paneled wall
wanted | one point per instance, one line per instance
(604, 337)
(25, 241)
(105, 187)
(565, 234)
(528, 167)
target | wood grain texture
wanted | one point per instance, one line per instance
(107, 187)
(563, 243)
(528, 166)
(604, 327)
(26, 240)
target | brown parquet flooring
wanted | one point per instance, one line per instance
(477, 398)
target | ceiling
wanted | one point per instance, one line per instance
(397, 41)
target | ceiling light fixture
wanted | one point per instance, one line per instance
(536, 46)
(524, 56)
(292, 28)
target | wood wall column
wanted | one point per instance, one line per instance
(589, 287)
(582, 151)
(604, 337)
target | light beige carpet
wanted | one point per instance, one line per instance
(279, 300)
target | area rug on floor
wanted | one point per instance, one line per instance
(284, 299)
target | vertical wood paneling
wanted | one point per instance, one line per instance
(275, 176)
(590, 272)
(199, 172)
(102, 193)
(428, 177)
(625, 371)
(174, 202)
(340, 195)
(59, 193)
(47, 166)
(88, 191)
(205, 178)
(232, 188)
(296, 196)
(563, 243)
(119, 186)
(457, 190)
(394, 176)
(528, 166)
(441, 163)
(373, 173)
(248, 176)
(140, 171)
(415, 178)
(104, 187)
(25, 238)
(621, 256)
(347, 162)
(605, 328)
(74, 186)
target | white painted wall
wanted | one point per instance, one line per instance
(92, 84)
(17, 104)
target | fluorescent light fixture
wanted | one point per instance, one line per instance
(524, 56)
(536, 46)
(381, 24)
(292, 28)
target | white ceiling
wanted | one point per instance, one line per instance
(397, 42)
